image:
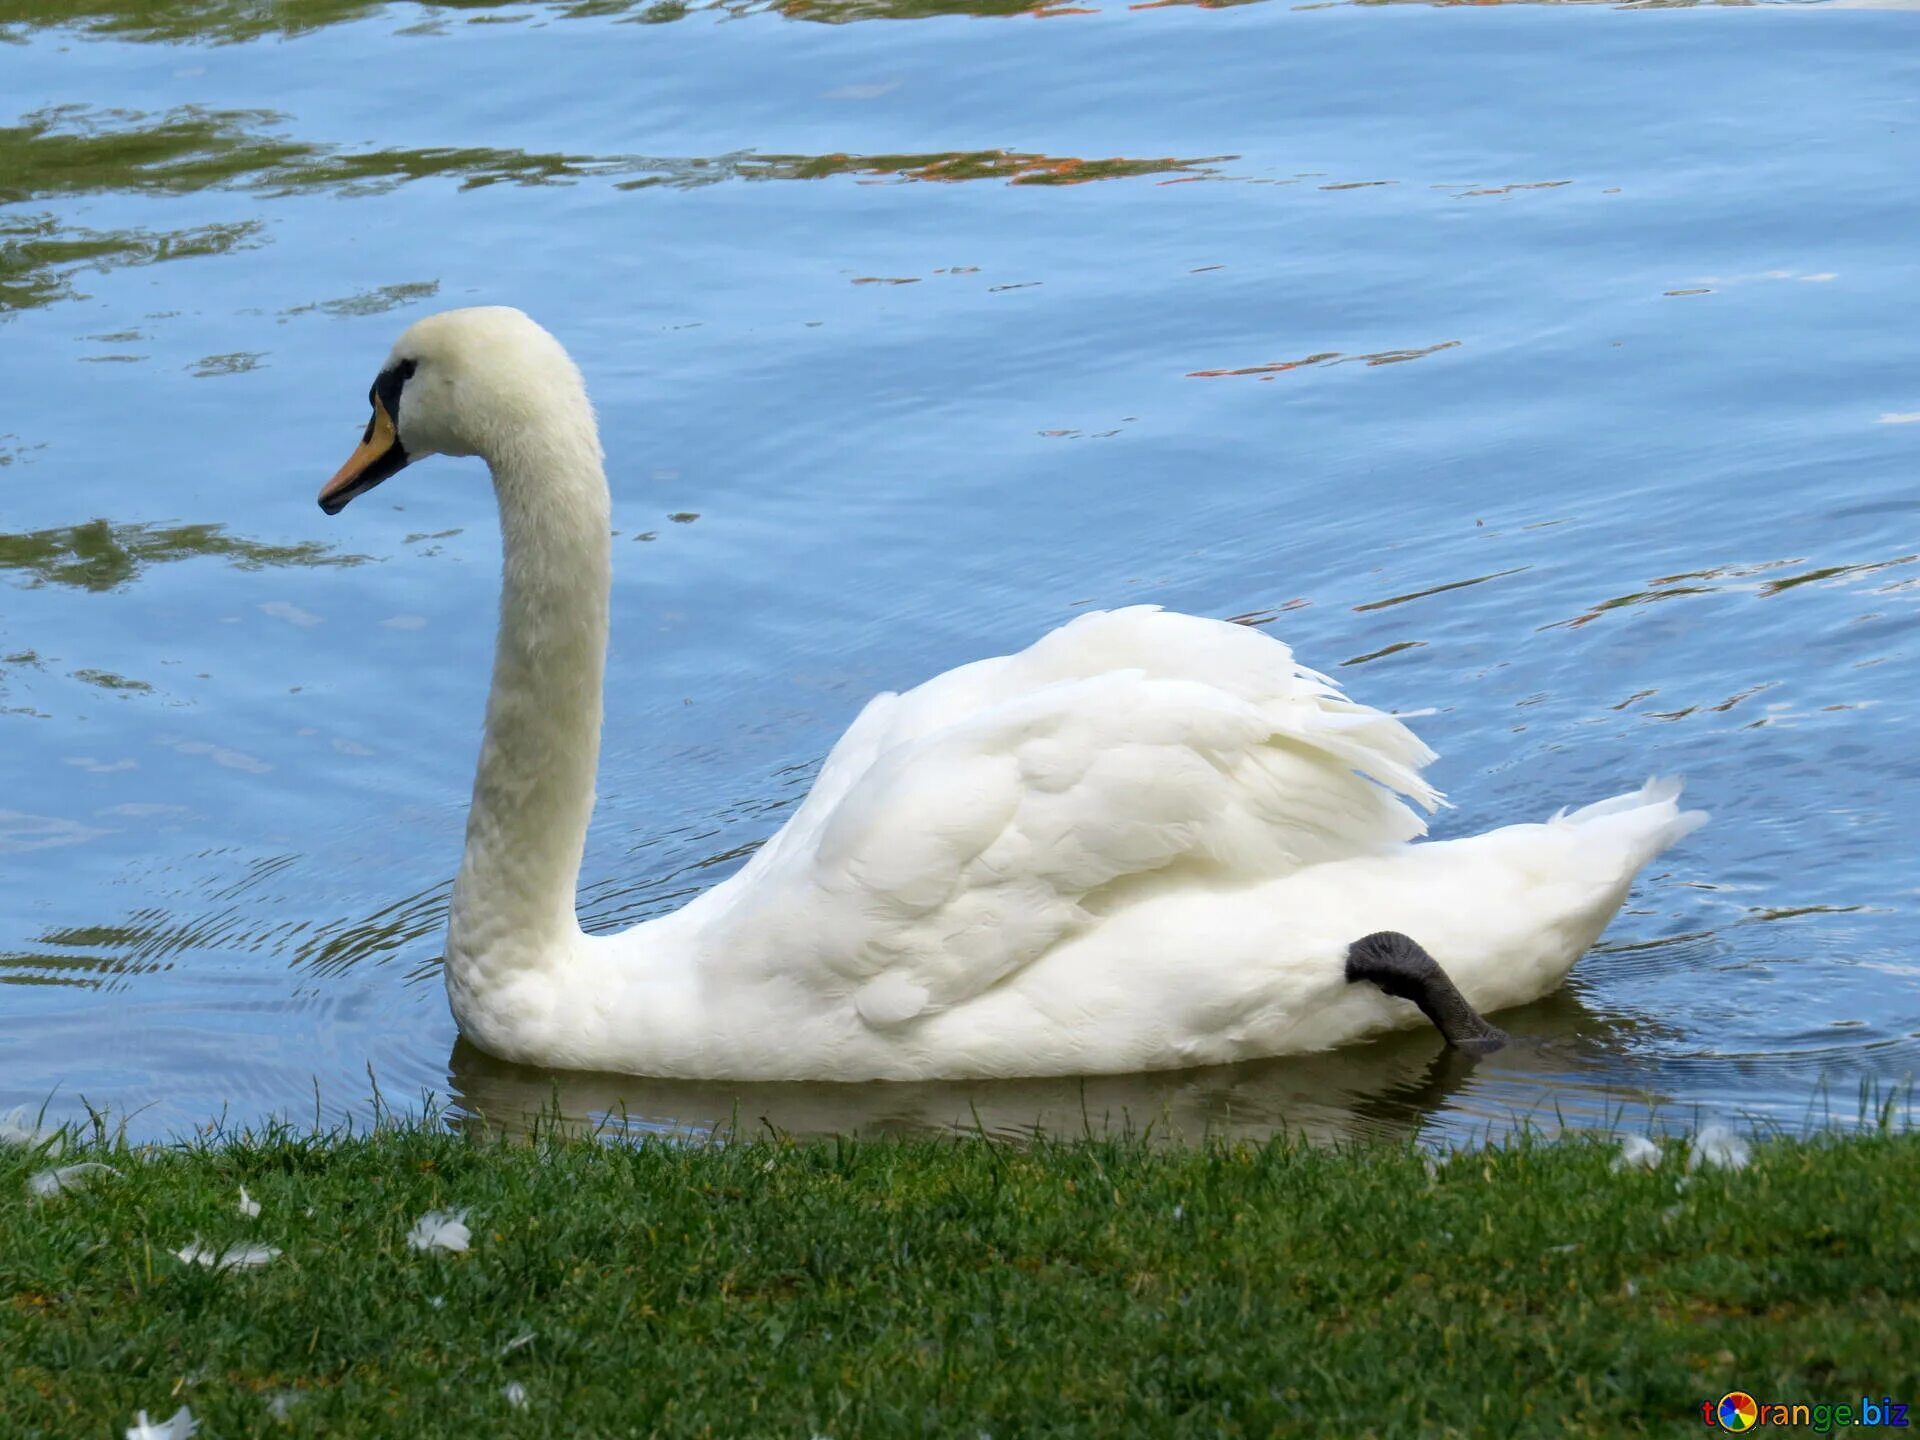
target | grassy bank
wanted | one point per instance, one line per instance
(944, 1288)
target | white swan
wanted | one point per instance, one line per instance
(1147, 841)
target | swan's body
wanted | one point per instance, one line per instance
(1147, 841)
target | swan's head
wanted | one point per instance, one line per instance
(463, 382)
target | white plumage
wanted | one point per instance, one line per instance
(1717, 1147)
(440, 1230)
(234, 1257)
(45, 1184)
(179, 1426)
(1637, 1151)
(17, 1129)
(1145, 841)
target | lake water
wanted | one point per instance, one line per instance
(1554, 367)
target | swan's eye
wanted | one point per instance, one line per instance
(387, 386)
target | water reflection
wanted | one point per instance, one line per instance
(72, 150)
(1739, 579)
(332, 949)
(12, 451)
(1014, 167)
(68, 151)
(39, 256)
(100, 555)
(80, 956)
(233, 21)
(214, 21)
(1397, 1085)
(1326, 357)
(377, 301)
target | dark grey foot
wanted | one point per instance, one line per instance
(1400, 967)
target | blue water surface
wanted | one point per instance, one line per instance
(1556, 368)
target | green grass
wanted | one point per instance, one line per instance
(1098, 1287)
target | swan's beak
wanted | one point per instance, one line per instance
(379, 455)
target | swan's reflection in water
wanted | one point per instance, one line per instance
(1564, 1068)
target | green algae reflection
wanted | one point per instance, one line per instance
(226, 22)
(68, 153)
(233, 21)
(99, 555)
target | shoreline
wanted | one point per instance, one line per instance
(838, 1287)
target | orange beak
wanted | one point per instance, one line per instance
(378, 456)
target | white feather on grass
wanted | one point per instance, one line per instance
(249, 1206)
(440, 1230)
(515, 1393)
(179, 1426)
(1637, 1151)
(17, 1129)
(234, 1257)
(1720, 1148)
(49, 1183)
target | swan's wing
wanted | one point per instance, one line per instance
(961, 830)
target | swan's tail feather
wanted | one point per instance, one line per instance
(1646, 820)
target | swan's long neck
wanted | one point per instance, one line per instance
(513, 903)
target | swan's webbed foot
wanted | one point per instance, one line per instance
(1398, 965)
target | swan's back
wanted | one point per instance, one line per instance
(1234, 677)
(961, 830)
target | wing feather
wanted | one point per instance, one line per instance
(961, 830)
